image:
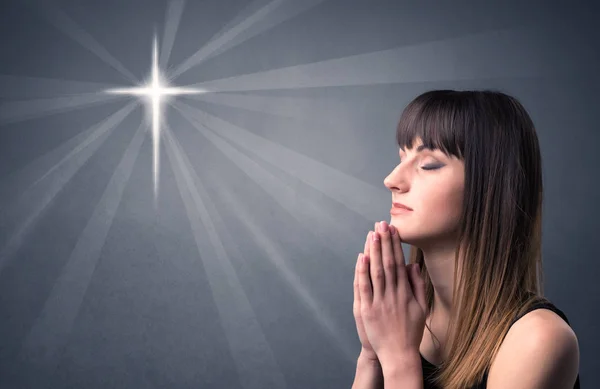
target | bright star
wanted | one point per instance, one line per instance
(157, 90)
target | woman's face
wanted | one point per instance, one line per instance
(431, 184)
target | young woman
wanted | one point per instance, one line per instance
(467, 311)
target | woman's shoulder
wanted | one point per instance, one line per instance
(541, 332)
(539, 322)
(542, 312)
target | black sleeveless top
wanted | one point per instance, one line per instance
(429, 368)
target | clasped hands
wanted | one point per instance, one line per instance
(389, 299)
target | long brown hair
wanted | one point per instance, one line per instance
(498, 271)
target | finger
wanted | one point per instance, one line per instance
(397, 247)
(409, 276)
(376, 266)
(388, 259)
(356, 291)
(401, 270)
(364, 283)
(418, 283)
(367, 250)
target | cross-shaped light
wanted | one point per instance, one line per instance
(156, 90)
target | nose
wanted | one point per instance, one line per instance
(396, 181)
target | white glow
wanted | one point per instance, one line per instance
(156, 90)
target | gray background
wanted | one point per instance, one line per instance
(240, 276)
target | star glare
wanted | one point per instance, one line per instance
(157, 90)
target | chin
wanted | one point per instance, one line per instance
(410, 240)
(418, 239)
(423, 241)
(408, 237)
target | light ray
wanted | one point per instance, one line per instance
(357, 195)
(51, 329)
(173, 18)
(17, 111)
(33, 202)
(362, 199)
(214, 44)
(299, 108)
(17, 182)
(304, 212)
(236, 315)
(287, 10)
(511, 53)
(157, 92)
(21, 87)
(65, 24)
(261, 20)
(298, 121)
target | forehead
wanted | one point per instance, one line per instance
(417, 146)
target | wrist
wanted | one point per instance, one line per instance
(368, 373)
(405, 364)
(368, 358)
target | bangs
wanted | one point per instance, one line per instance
(435, 118)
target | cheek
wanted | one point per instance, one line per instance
(443, 197)
(447, 204)
(440, 211)
(436, 213)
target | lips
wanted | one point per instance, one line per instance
(401, 206)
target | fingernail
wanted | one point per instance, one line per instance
(375, 236)
(384, 226)
(392, 230)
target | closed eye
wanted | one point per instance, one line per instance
(431, 167)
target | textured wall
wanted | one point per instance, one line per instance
(236, 272)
